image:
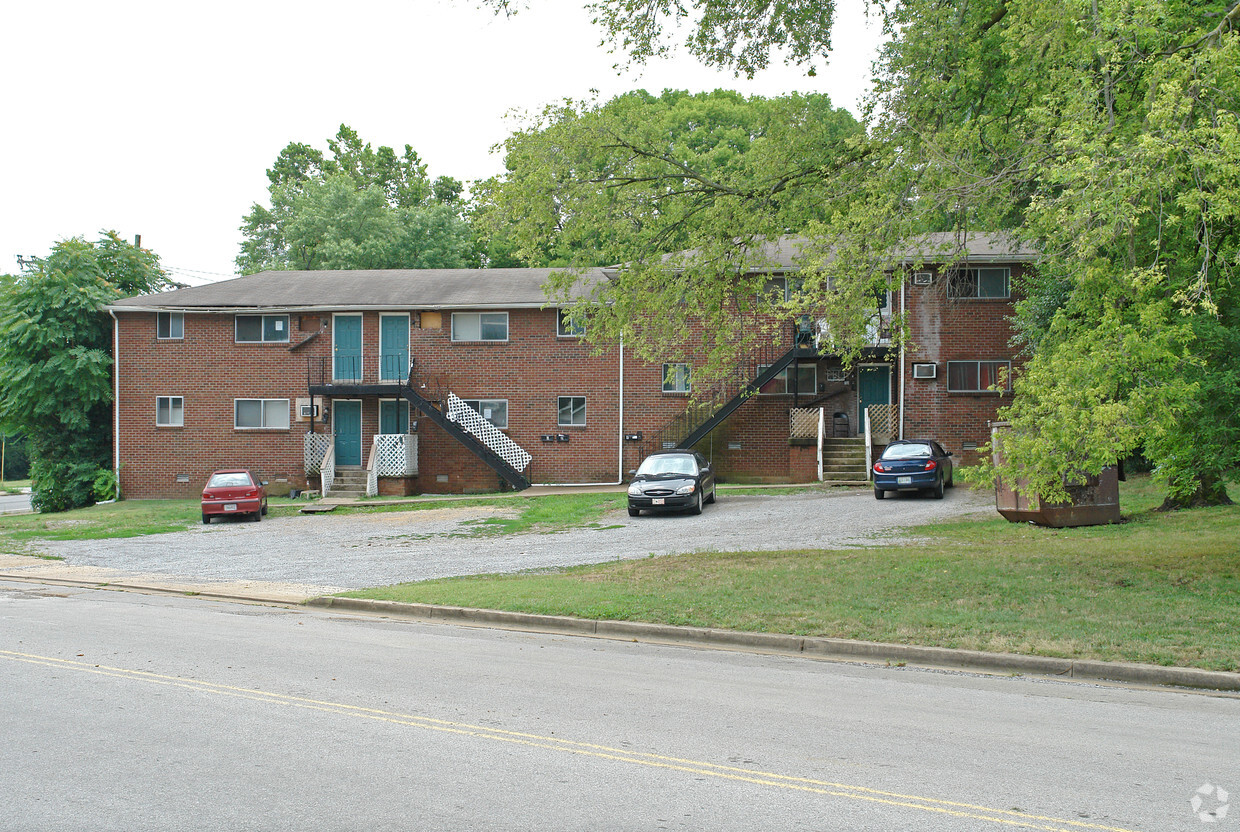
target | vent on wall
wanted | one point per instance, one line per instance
(923, 278)
(925, 370)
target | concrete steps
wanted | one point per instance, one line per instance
(843, 461)
(350, 481)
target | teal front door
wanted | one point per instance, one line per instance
(873, 387)
(347, 430)
(393, 347)
(347, 348)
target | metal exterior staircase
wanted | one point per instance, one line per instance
(460, 431)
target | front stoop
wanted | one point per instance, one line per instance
(350, 482)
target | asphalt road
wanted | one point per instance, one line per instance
(130, 712)
(14, 503)
(330, 552)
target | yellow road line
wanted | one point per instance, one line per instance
(971, 811)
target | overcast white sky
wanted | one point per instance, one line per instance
(161, 118)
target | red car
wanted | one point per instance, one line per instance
(235, 491)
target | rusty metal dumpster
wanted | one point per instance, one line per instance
(1094, 503)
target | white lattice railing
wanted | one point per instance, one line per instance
(822, 432)
(803, 421)
(882, 421)
(372, 473)
(491, 436)
(315, 445)
(396, 454)
(327, 469)
(869, 447)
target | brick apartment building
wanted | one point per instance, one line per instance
(460, 380)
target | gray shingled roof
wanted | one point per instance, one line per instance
(368, 289)
(482, 288)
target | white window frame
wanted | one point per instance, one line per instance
(480, 405)
(176, 412)
(677, 377)
(563, 329)
(977, 365)
(784, 375)
(954, 283)
(572, 411)
(463, 316)
(176, 326)
(272, 406)
(263, 339)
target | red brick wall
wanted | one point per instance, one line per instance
(530, 370)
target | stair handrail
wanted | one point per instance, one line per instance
(372, 472)
(869, 449)
(327, 468)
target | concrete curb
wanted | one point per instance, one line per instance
(831, 649)
(827, 649)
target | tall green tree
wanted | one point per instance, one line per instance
(56, 360)
(355, 207)
(677, 187)
(1101, 132)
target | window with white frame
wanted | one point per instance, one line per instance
(567, 326)
(251, 414)
(262, 329)
(676, 378)
(978, 376)
(991, 282)
(494, 411)
(479, 326)
(169, 325)
(169, 411)
(572, 411)
(806, 381)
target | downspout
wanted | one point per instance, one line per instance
(116, 401)
(902, 306)
(620, 473)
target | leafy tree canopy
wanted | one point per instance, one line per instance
(355, 208)
(56, 359)
(1102, 132)
(668, 185)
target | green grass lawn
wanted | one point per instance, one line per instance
(13, 486)
(1162, 588)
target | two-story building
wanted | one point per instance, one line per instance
(461, 380)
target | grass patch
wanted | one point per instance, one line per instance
(129, 518)
(544, 514)
(1161, 588)
(13, 486)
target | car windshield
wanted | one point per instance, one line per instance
(911, 451)
(229, 480)
(670, 464)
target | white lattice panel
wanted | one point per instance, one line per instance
(397, 454)
(315, 445)
(491, 436)
(803, 421)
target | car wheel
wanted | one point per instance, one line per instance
(696, 508)
(951, 479)
(878, 493)
(264, 507)
(206, 521)
(258, 516)
(634, 512)
(938, 489)
(713, 493)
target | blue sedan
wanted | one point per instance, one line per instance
(913, 465)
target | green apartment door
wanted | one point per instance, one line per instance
(347, 348)
(347, 431)
(393, 347)
(873, 387)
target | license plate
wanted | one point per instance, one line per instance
(904, 480)
(657, 501)
(230, 506)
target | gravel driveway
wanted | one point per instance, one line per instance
(332, 552)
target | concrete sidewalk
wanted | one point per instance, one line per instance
(36, 570)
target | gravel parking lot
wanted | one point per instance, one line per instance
(331, 552)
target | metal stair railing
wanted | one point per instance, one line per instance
(700, 417)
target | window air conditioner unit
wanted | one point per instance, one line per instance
(309, 411)
(925, 370)
(923, 279)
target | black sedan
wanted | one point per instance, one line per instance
(913, 465)
(672, 481)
